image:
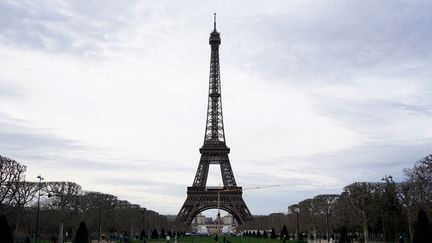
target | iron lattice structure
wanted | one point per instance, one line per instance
(214, 151)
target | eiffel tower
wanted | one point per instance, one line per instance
(214, 151)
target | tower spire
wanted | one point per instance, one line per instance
(214, 21)
(214, 133)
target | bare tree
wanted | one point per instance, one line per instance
(408, 199)
(415, 192)
(99, 210)
(420, 178)
(11, 172)
(24, 193)
(295, 210)
(64, 200)
(364, 197)
(325, 205)
(308, 215)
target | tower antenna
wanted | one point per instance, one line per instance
(214, 20)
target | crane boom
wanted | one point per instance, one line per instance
(260, 187)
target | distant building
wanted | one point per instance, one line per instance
(171, 217)
(209, 226)
(228, 219)
(200, 219)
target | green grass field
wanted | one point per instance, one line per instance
(207, 239)
(232, 239)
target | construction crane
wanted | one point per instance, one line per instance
(260, 187)
(223, 189)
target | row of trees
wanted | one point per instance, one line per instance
(375, 210)
(64, 204)
(267, 234)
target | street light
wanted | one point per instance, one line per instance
(38, 208)
(390, 205)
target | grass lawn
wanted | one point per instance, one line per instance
(207, 239)
(233, 239)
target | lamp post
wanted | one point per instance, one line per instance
(38, 208)
(390, 207)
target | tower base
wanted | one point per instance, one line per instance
(200, 199)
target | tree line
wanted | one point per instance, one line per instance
(370, 211)
(63, 205)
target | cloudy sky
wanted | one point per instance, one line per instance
(317, 94)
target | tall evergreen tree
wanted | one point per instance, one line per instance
(273, 234)
(5, 232)
(82, 235)
(162, 234)
(423, 231)
(154, 234)
(143, 235)
(344, 236)
(284, 233)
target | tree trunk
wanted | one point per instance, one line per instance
(60, 236)
(410, 226)
(365, 227)
(327, 228)
(314, 230)
(383, 227)
(17, 224)
(100, 224)
(19, 214)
